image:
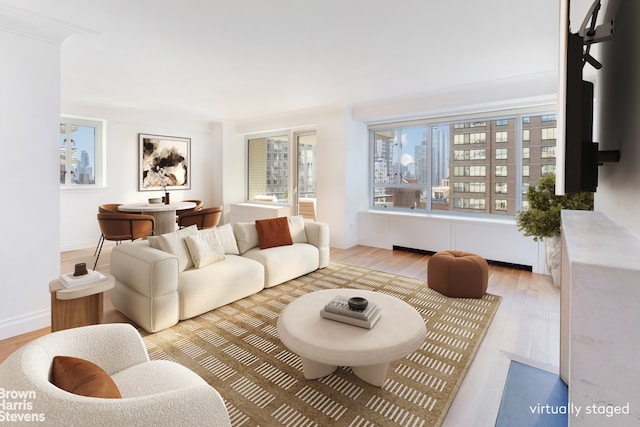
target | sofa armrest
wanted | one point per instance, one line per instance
(149, 271)
(318, 236)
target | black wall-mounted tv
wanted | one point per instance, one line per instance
(580, 152)
(575, 103)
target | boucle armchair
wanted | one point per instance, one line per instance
(154, 393)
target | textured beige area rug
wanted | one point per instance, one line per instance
(236, 349)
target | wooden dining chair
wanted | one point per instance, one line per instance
(123, 226)
(205, 218)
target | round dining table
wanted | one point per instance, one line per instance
(165, 215)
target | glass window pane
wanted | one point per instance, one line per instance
(307, 166)
(383, 143)
(440, 154)
(78, 147)
(269, 169)
(83, 139)
(540, 156)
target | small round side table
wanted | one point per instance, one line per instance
(78, 305)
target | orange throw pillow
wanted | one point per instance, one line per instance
(273, 232)
(79, 376)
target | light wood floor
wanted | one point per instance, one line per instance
(526, 327)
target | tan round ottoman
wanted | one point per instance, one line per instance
(458, 274)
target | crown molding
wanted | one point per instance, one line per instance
(30, 24)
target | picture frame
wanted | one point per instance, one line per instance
(164, 162)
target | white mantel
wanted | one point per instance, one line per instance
(600, 319)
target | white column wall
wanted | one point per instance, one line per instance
(29, 218)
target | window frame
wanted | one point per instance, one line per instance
(460, 139)
(100, 143)
(281, 133)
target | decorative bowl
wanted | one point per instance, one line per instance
(155, 200)
(358, 303)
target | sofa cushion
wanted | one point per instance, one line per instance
(273, 232)
(231, 279)
(296, 227)
(174, 244)
(283, 263)
(227, 239)
(204, 247)
(246, 236)
(82, 377)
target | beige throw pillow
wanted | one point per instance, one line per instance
(296, 227)
(227, 239)
(205, 248)
(174, 244)
(246, 235)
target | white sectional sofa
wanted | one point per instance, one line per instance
(158, 284)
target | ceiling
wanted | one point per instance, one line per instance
(236, 59)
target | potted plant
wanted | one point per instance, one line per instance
(542, 218)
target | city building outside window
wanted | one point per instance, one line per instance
(440, 164)
(268, 167)
(81, 152)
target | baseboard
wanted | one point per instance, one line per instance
(489, 261)
(23, 324)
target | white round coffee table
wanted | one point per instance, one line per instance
(324, 344)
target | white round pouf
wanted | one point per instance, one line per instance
(324, 344)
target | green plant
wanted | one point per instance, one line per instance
(542, 218)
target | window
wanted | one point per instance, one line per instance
(465, 203)
(477, 138)
(548, 151)
(478, 154)
(549, 133)
(501, 170)
(469, 187)
(400, 167)
(470, 154)
(457, 165)
(268, 166)
(477, 187)
(548, 169)
(81, 144)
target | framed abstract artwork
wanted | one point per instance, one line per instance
(165, 162)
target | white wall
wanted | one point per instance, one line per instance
(78, 207)
(29, 218)
(617, 125)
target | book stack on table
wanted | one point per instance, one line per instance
(68, 280)
(338, 309)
